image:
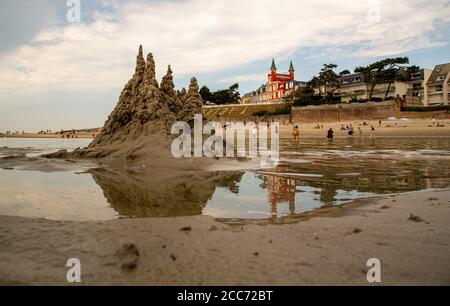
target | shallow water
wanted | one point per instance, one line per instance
(312, 173)
(43, 145)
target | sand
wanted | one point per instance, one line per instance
(82, 135)
(415, 127)
(330, 246)
(412, 128)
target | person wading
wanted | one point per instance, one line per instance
(330, 134)
(372, 131)
(295, 133)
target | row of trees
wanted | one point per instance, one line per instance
(322, 87)
(221, 97)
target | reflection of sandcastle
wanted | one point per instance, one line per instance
(141, 121)
(161, 193)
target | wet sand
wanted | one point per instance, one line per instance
(330, 246)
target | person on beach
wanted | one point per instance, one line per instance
(360, 132)
(372, 131)
(330, 134)
(379, 123)
(295, 132)
(434, 121)
(350, 131)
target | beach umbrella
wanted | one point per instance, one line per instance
(392, 119)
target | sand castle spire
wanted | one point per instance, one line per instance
(194, 102)
(168, 93)
(150, 71)
(140, 62)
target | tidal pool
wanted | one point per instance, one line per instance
(312, 173)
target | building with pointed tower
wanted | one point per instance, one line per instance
(278, 86)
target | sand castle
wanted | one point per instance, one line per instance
(139, 126)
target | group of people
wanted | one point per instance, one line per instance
(436, 123)
(330, 133)
(69, 134)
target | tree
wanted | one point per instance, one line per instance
(381, 72)
(391, 72)
(206, 94)
(222, 97)
(315, 83)
(304, 96)
(344, 72)
(397, 73)
(328, 78)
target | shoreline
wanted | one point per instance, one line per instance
(44, 136)
(412, 128)
(330, 246)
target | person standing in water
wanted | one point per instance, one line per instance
(350, 131)
(372, 132)
(295, 132)
(330, 134)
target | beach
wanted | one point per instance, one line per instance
(317, 218)
(413, 127)
(83, 135)
(408, 233)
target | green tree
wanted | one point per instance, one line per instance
(206, 94)
(328, 78)
(315, 83)
(383, 71)
(223, 96)
(304, 96)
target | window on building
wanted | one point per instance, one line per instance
(438, 87)
(440, 78)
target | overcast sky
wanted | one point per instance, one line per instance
(58, 74)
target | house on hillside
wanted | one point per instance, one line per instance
(278, 85)
(437, 86)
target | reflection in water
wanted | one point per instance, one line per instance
(312, 173)
(57, 196)
(143, 194)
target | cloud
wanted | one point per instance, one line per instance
(198, 36)
(21, 20)
(257, 77)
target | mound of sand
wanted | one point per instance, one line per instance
(138, 130)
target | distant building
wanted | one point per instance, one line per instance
(416, 94)
(278, 86)
(437, 86)
(354, 86)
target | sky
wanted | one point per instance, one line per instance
(61, 70)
